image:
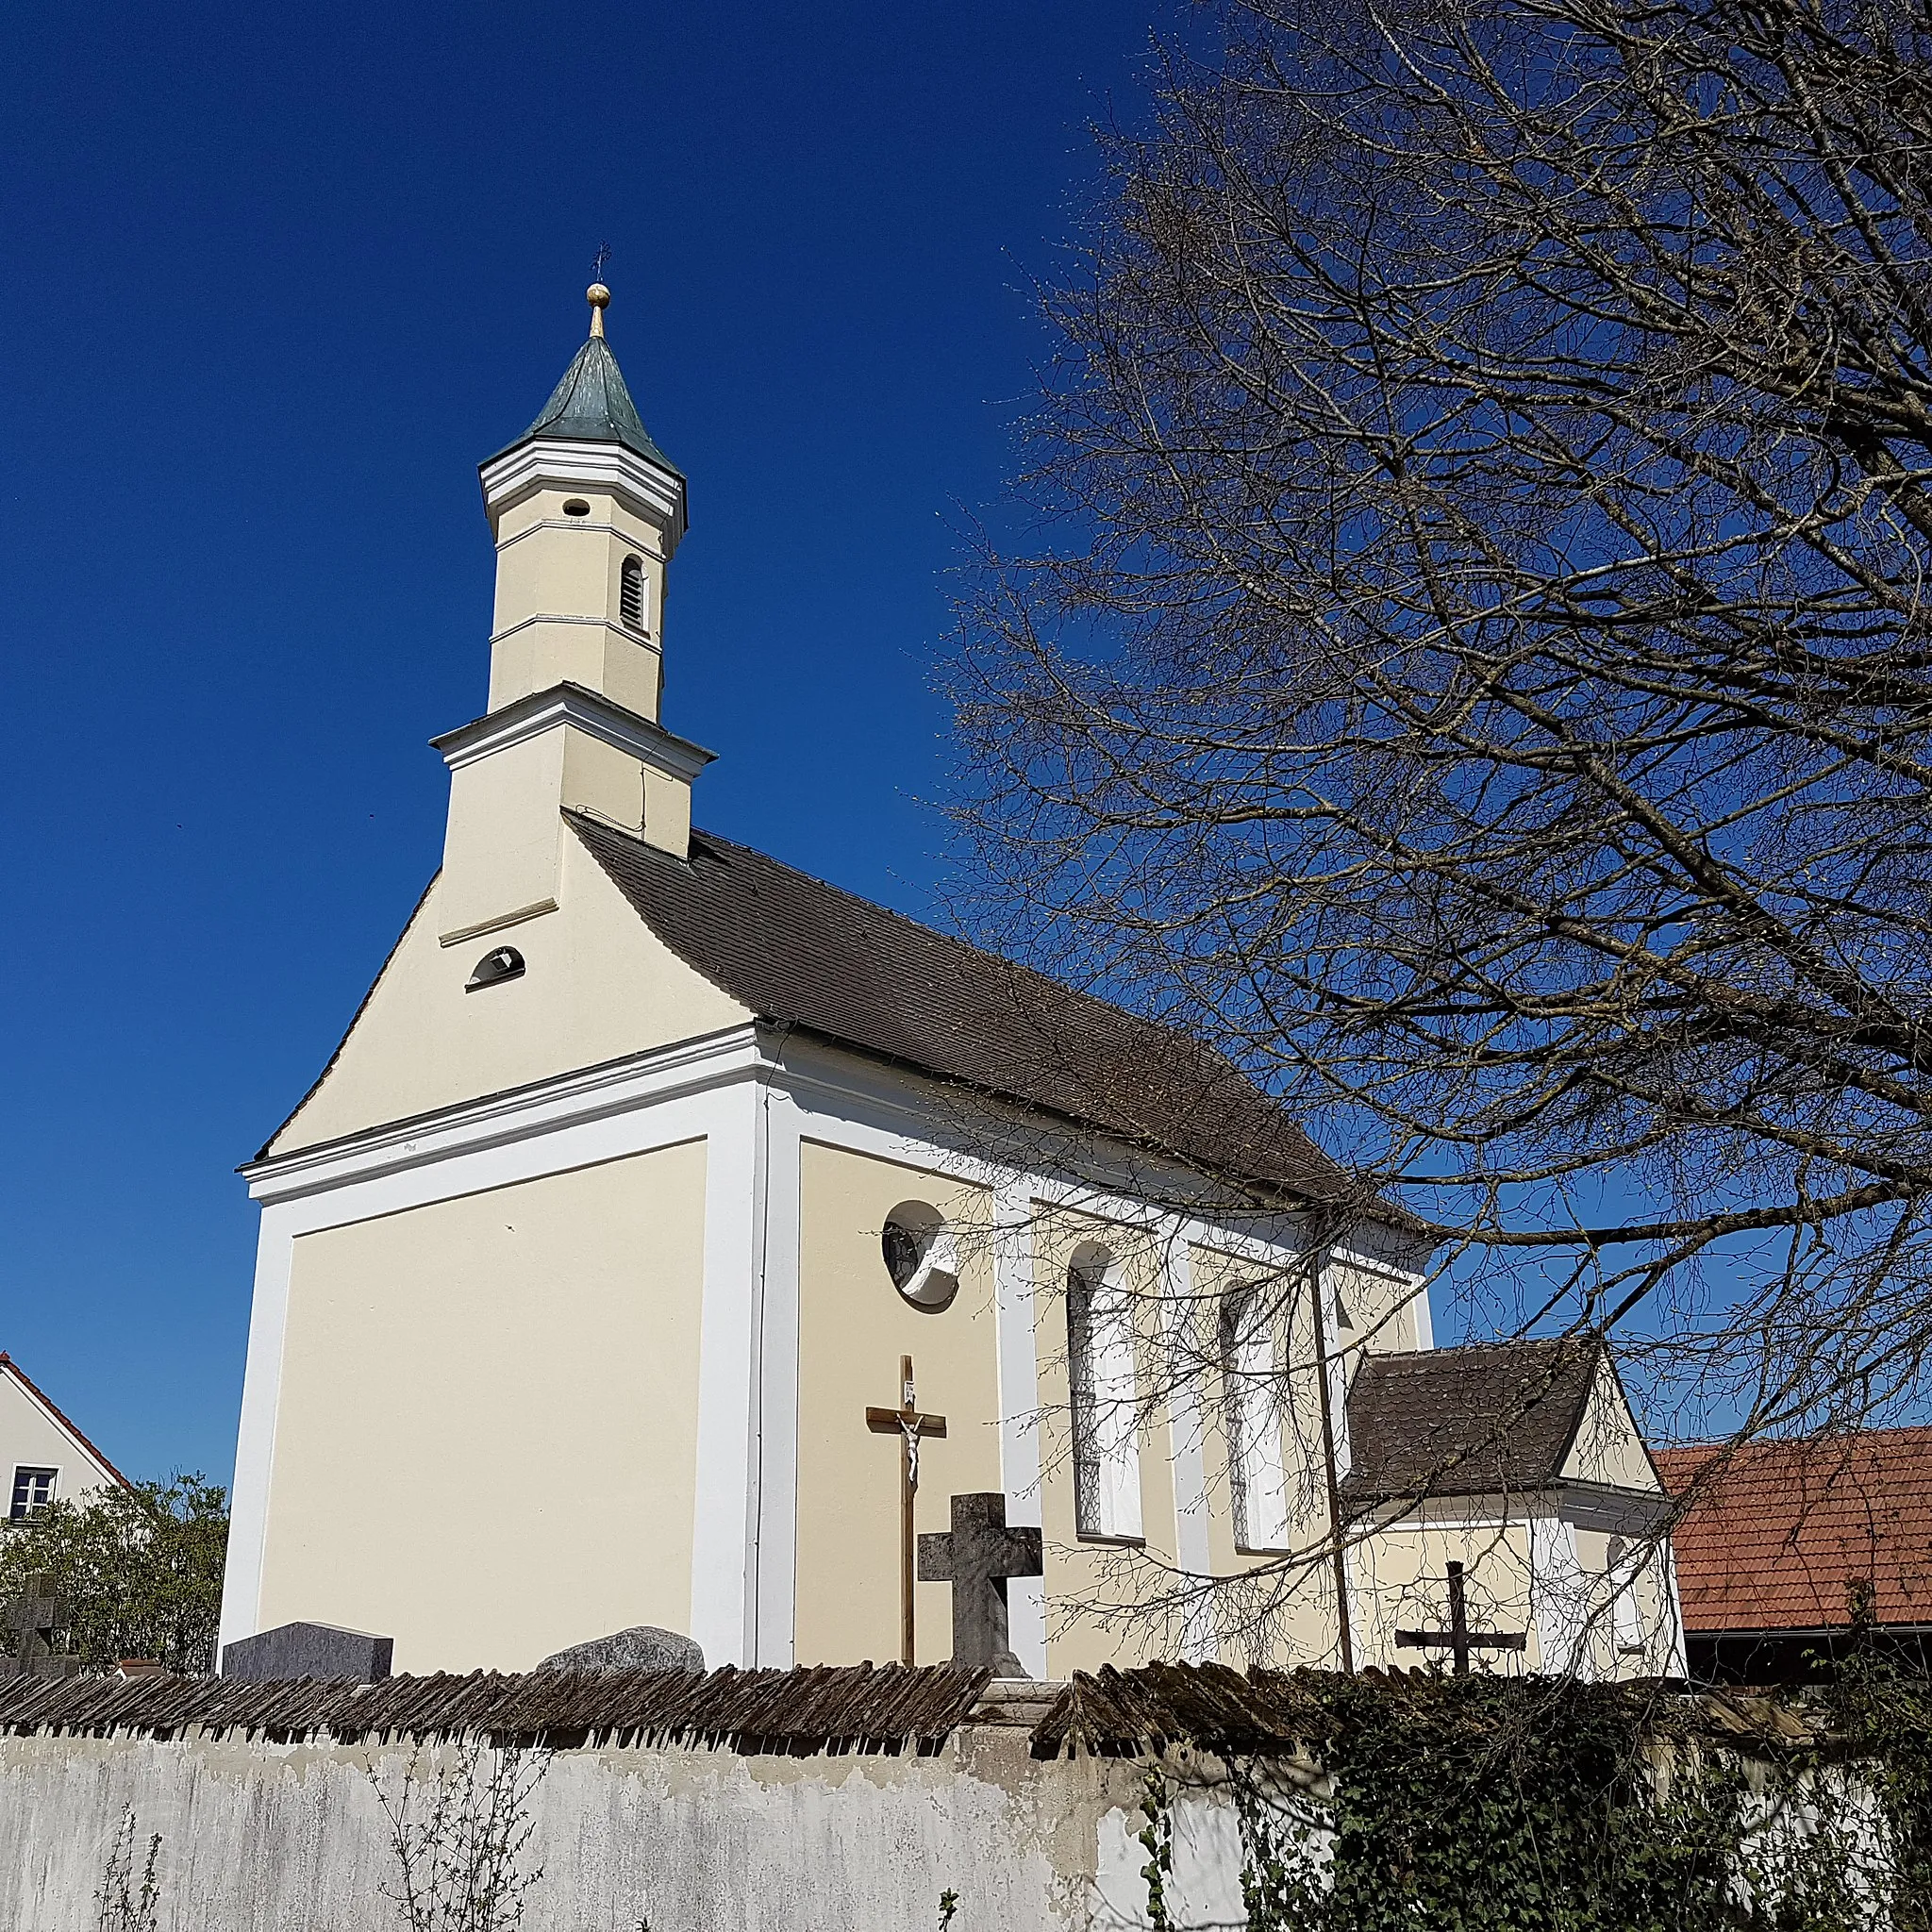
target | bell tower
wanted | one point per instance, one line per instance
(587, 512)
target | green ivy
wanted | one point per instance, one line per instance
(1883, 1713)
(1494, 1805)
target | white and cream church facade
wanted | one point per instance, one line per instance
(646, 1159)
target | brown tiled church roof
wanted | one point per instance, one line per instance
(804, 954)
(1783, 1535)
(1486, 1419)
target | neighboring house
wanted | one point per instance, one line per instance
(1787, 1546)
(587, 1266)
(43, 1457)
(1523, 1461)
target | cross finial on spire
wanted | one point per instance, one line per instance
(597, 296)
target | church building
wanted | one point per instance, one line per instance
(591, 1265)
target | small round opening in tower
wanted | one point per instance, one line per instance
(576, 506)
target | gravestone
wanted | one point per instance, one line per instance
(977, 1557)
(36, 1627)
(642, 1647)
(307, 1650)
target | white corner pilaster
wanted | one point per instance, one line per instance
(775, 1606)
(1019, 1396)
(268, 1325)
(1558, 1595)
(723, 1579)
(1187, 1447)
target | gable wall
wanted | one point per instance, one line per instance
(1609, 1446)
(599, 984)
(29, 1435)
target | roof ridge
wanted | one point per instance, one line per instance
(1724, 1445)
(1422, 1357)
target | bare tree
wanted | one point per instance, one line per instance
(1473, 665)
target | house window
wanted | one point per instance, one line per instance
(630, 595)
(1100, 1378)
(33, 1489)
(1251, 1413)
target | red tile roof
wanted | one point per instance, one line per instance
(1781, 1534)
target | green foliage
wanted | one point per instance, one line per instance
(1525, 1811)
(1490, 1805)
(1885, 1714)
(949, 1906)
(140, 1569)
(1157, 1838)
(125, 1905)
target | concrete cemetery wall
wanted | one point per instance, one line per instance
(261, 1836)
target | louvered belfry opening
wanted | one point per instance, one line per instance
(630, 593)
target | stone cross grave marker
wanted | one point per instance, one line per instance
(911, 1428)
(977, 1557)
(34, 1622)
(1459, 1640)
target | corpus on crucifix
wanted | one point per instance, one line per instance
(911, 1428)
(1459, 1640)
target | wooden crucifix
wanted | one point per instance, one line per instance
(912, 1427)
(1459, 1640)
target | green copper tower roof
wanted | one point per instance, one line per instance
(592, 404)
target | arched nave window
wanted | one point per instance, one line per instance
(1252, 1418)
(1103, 1398)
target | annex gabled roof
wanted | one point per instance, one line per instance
(592, 405)
(1780, 1535)
(9, 1367)
(801, 953)
(1485, 1419)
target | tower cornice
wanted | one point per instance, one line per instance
(652, 491)
(590, 712)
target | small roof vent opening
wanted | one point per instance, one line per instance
(494, 968)
(576, 506)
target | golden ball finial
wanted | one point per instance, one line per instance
(598, 296)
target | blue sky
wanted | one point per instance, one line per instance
(276, 280)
